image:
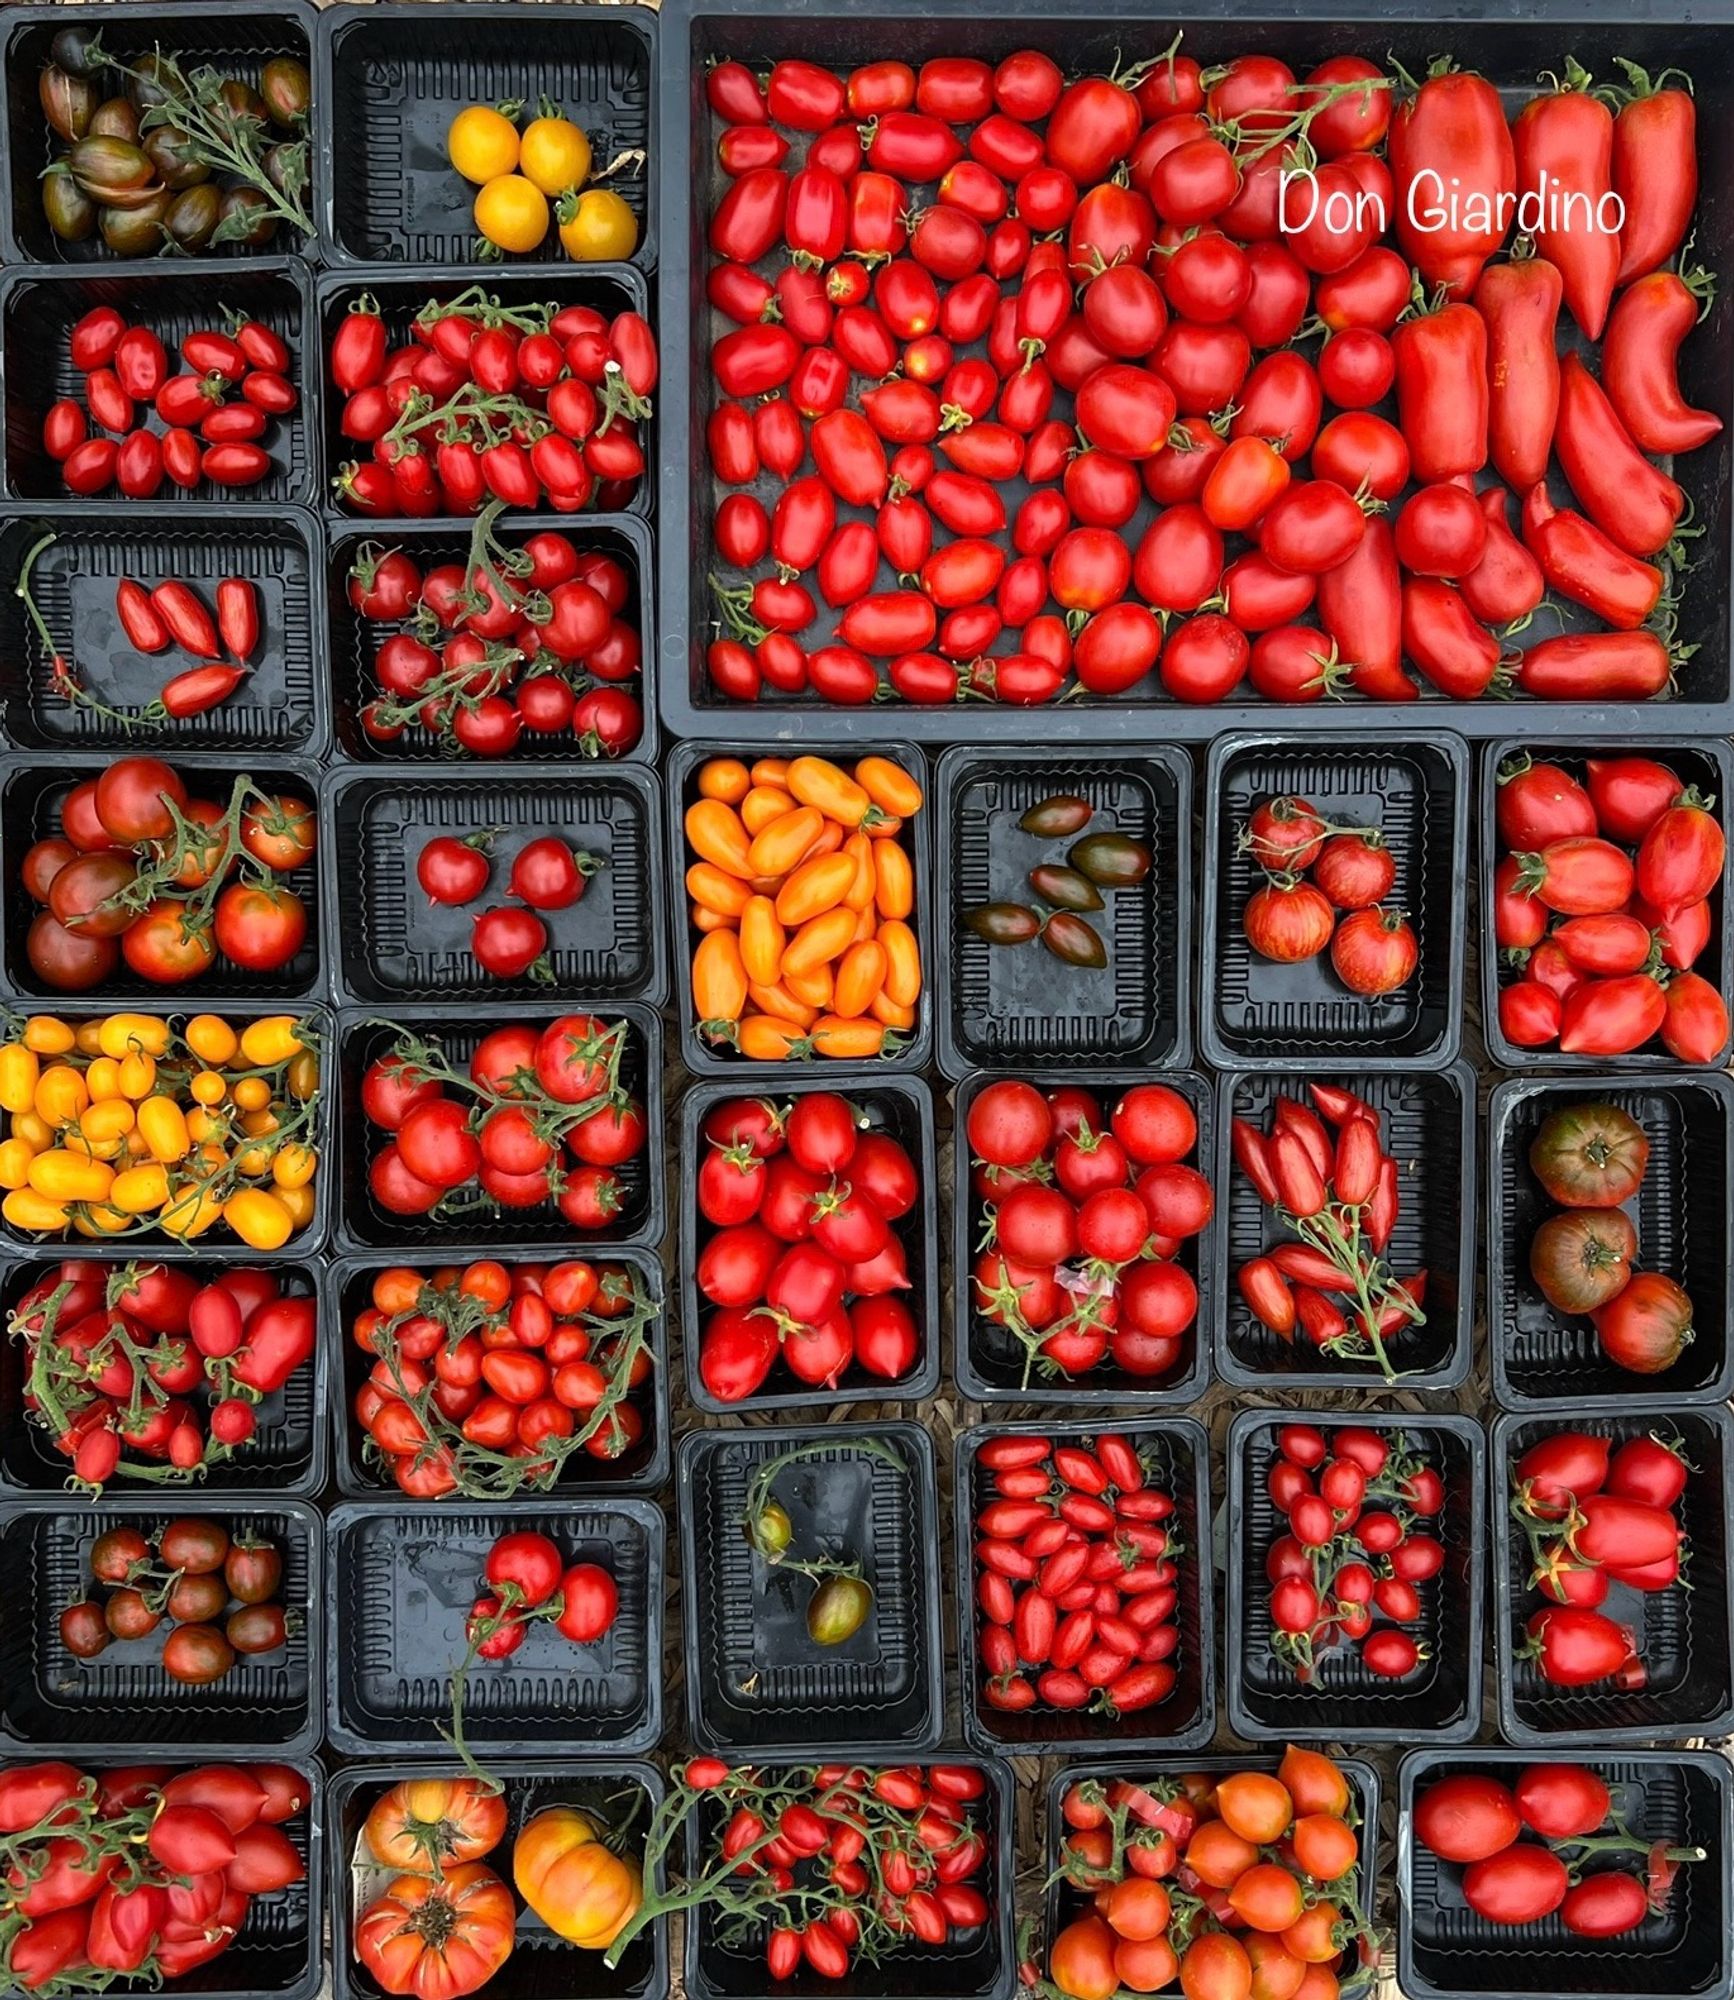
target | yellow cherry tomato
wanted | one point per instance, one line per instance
(202, 1126)
(15, 1158)
(164, 1126)
(190, 1212)
(303, 1076)
(294, 1167)
(120, 1034)
(102, 1080)
(104, 1219)
(19, 1070)
(299, 1203)
(259, 1219)
(34, 1130)
(211, 1039)
(251, 1093)
(269, 1040)
(598, 228)
(87, 1038)
(138, 1075)
(512, 213)
(48, 1035)
(61, 1094)
(140, 1190)
(207, 1088)
(554, 154)
(482, 142)
(24, 1208)
(64, 1176)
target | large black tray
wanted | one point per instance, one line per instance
(241, 34)
(1704, 762)
(542, 1966)
(1177, 1453)
(351, 643)
(1255, 1013)
(401, 1581)
(280, 709)
(363, 1225)
(988, 1362)
(388, 944)
(902, 1106)
(30, 801)
(1346, 1703)
(347, 1291)
(755, 1681)
(39, 306)
(1017, 1006)
(697, 33)
(56, 1704)
(1429, 1121)
(1446, 1952)
(392, 78)
(1685, 1636)
(1684, 1213)
(285, 1455)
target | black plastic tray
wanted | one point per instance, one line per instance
(1017, 1006)
(54, 1704)
(1703, 761)
(30, 800)
(218, 1245)
(625, 537)
(542, 1966)
(1684, 1212)
(279, 1953)
(987, 1362)
(1257, 1014)
(347, 1290)
(388, 944)
(279, 710)
(39, 305)
(697, 1054)
(400, 294)
(900, 1105)
(1686, 1637)
(242, 34)
(363, 1226)
(754, 1680)
(285, 1455)
(697, 33)
(1444, 1950)
(401, 1581)
(978, 1970)
(1430, 1121)
(1179, 1452)
(1346, 1703)
(392, 79)
(1060, 1902)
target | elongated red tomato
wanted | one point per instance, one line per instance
(1628, 498)
(1655, 172)
(1451, 135)
(1520, 302)
(1442, 397)
(1563, 141)
(1639, 365)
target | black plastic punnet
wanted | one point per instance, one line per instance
(1256, 1013)
(755, 1680)
(1018, 1006)
(1345, 1703)
(1684, 1213)
(1685, 1798)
